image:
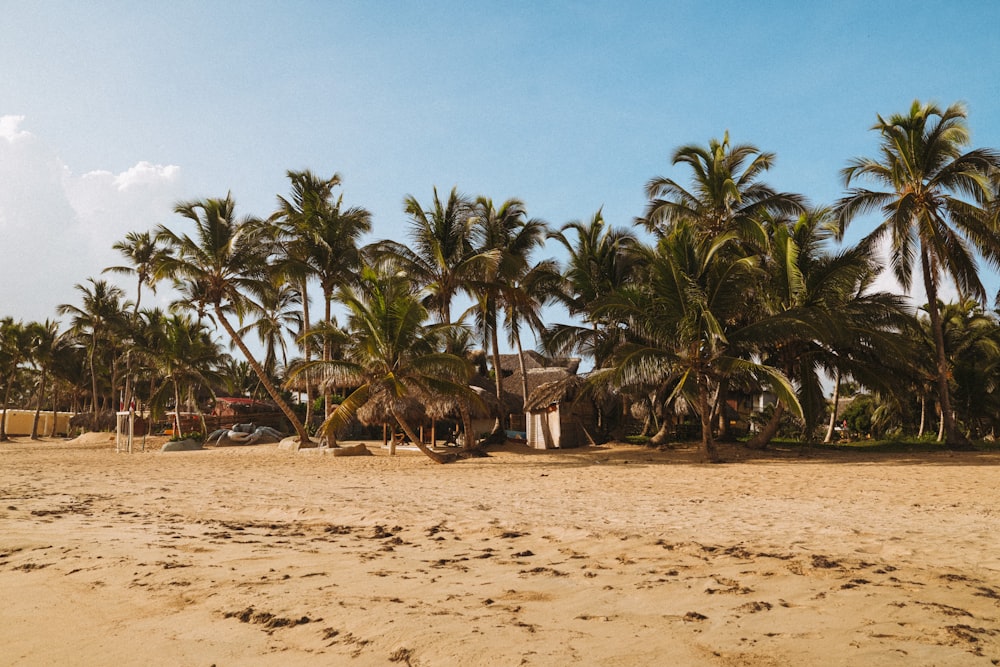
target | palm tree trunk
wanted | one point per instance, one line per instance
(415, 439)
(93, 381)
(55, 408)
(524, 371)
(327, 350)
(3, 414)
(923, 416)
(833, 412)
(770, 429)
(38, 406)
(707, 441)
(721, 403)
(262, 376)
(953, 438)
(177, 411)
(662, 434)
(306, 350)
(498, 373)
(471, 441)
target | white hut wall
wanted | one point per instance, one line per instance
(544, 430)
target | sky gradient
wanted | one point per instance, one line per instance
(110, 112)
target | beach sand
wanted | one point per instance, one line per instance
(601, 556)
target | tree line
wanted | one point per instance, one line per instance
(734, 287)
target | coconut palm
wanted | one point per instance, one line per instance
(186, 354)
(14, 347)
(972, 341)
(601, 260)
(441, 260)
(938, 209)
(143, 253)
(725, 194)
(277, 314)
(825, 299)
(392, 362)
(681, 319)
(227, 259)
(45, 342)
(100, 318)
(319, 237)
(511, 236)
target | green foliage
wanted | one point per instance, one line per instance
(859, 414)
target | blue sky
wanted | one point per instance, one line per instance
(112, 111)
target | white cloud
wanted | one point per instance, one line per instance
(57, 228)
(8, 128)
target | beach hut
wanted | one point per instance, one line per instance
(556, 416)
(539, 370)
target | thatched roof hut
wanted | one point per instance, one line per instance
(536, 378)
(556, 414)
(553, 386)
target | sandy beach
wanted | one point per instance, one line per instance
(611, 555)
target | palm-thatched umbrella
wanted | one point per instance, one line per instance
(381, 408)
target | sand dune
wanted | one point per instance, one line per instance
(603, 556)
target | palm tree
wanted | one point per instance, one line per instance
(392, 362)
(601, 260)
(320, 240)
(278, 313)
(972, 341)
(236, 377)
(143, 253)
(186, 354)
(508, 234)
(45, 343)
(681, 319)
(725, 194)
(226, 258)
(14, 347)
(442, 260)
(826, 300)
(937, 209)
(98, 320)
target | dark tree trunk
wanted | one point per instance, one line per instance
(3, 415)
(262, 376)
(38, 406)
(954, 439)
(770, 429)
(662, 434)
(418, 441)
(306, 350)
(501, 423)
(55, 409)
(707, 440)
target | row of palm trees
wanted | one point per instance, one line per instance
(739, 288)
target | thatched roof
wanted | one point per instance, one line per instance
(536, 377)
(379, 409)
(553, 391)
(510, 402)
(509, 363)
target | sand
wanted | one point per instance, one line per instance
(602, 556)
